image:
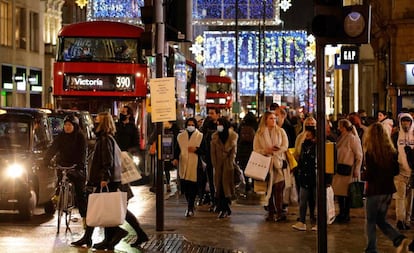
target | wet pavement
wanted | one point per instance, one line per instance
(244, 231)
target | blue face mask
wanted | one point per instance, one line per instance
(220, 128)
(190, 129)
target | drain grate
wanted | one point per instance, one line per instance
(175, 243)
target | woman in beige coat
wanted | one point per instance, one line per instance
(271, 140)
(349, 153)
(223, 155)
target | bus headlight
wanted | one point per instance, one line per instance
(14, 170)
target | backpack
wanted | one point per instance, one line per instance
(247, 133)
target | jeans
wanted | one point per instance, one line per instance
(376, 212)
(307, 197)
(402, 199)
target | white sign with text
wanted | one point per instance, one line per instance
(163, 99)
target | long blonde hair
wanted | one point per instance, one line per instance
(106, 123)
(378, 144)
(263, 119)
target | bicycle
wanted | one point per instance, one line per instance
(66, 200)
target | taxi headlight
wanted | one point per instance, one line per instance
(14, 170)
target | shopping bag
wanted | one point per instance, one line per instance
(129, 170)
(291, 159)
(259, 186)
(355, 192)
(258, 166)
(330, 205)
(106, 209)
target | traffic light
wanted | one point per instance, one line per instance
(337, 24)
(147, 18)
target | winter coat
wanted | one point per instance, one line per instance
(307, 166)
(102, 167)
(70, 149)
(349, 152)
(276, 172)
(188, 162)
(380, 177)
(245, 144)
(127, 136)
(223, 158)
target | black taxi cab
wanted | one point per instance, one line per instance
(25, 182)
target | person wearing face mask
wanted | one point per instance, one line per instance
(306, 172)
(308, 124)
(188, 150)
(126, 132)
(223, 156)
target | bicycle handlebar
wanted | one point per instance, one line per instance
(59, 167)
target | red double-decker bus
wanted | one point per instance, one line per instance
(100, 66)
(219, 92)
(196, 88)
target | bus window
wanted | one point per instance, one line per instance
(100, 50)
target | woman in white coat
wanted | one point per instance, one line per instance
(190, 146)
(271, 140)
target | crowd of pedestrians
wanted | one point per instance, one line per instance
(210, 152)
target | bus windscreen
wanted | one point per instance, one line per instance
(81, 49)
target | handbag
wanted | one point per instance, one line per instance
(344, 169)
(129, 170)
(330, 205)
(291, 159)
(258, 166)
(106, 209)
(355, 193)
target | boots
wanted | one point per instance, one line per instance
(142, 236)
(86, 238)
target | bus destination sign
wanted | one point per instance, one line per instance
(74, 82)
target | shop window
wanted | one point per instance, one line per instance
(34, 32)
(20, 32)
(5, 24)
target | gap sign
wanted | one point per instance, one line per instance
(349, 55)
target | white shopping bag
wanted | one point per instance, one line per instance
(129, 170)
(106, 209)
(330, 205)
(258, 166)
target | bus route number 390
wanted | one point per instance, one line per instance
(123, 82)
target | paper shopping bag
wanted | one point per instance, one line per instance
(258, 166)
(355, 193)
(330, 205)
(106, 209)
(129, 170)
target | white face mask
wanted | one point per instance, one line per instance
(220, 128)
(190, 129)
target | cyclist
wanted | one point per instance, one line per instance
(69, 147)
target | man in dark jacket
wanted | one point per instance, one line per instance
(209, 127)
(126, 132)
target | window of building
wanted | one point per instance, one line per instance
(20, 32)
(5, 24)
(34, 31)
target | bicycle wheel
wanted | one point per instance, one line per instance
(60, 206)
(68, 205)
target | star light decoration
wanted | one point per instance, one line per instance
(197, 49)
(285, 4)
(311, 48)
(81, 3)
